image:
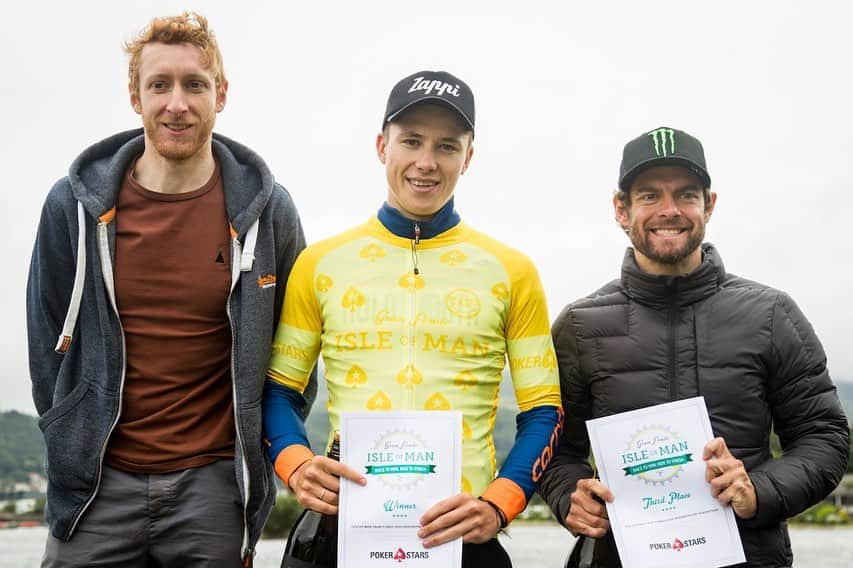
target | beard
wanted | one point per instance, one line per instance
(182, 148)
(666, 255)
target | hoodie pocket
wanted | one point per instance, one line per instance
(74, 433)
(65, 405)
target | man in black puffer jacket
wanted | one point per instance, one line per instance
(677, 325)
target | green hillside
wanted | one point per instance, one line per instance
(21, 447)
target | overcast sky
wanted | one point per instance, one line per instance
(560, 87)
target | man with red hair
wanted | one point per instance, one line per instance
(148, 361)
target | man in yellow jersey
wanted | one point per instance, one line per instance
(415, 310)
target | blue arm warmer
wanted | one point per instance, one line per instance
(283, 422)
(532, 449)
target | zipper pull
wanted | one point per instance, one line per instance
(415, 243)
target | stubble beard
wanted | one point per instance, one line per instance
(180, 150)
(671, 257)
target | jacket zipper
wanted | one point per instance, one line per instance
(107, 273)
(672, 317)
(236, 253)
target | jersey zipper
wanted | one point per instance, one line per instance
(415, 242)
(410, 368)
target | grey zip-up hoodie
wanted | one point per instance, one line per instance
(76, 342)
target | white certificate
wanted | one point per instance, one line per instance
(663, 513)
(411, 461)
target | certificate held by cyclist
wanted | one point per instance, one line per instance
(411, 460)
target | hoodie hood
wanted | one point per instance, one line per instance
(96, 176)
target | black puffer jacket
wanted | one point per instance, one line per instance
(745, 347)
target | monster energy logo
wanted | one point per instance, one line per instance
(659, 137)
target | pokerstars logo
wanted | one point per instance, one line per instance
(399, 555)
(677, 545)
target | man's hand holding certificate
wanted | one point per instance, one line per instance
(728, 478)
(666, 485)
(412, 461)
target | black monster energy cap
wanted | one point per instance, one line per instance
(431, 86)
(662, 147)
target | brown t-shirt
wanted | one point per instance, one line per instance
(172, 279)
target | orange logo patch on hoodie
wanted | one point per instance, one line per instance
(267, 281)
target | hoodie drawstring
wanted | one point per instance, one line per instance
(247, 258)
(64, 341)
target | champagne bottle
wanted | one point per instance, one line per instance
(594, 553)
(313, 540)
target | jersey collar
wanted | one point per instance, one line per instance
(445, 218)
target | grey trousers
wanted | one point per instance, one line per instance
(188, 518)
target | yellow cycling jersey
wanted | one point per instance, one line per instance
(408, 325)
